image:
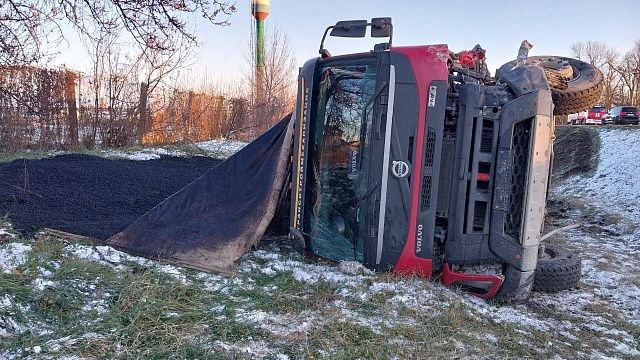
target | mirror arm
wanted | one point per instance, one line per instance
(324, 37)
(325, 54)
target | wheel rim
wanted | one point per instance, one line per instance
(558, 66)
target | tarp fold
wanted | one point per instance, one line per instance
(213, 221)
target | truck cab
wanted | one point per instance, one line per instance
(410, 159)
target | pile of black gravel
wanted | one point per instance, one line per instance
(89, 195)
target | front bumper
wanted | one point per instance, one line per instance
(629, 120)
(524, 159)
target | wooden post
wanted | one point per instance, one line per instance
(142, 110)
(191, 130)
(72, 109)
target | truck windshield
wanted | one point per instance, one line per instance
(338, 178)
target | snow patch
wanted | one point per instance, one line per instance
(282, 325)
(4, 234)
(41, 284)
(9, 327)
(109, 256)
(13, 255)
(9, 310)
(55, 345)
(222, 148)
(312, 273)
(614, 184)
(257, 349)
(103, 254)
(354, 268)
(516, 314)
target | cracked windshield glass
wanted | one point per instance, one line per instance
(340, 133)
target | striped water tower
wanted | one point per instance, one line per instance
(260, 11)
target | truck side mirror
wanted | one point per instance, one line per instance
(381, 27)
(350, 28)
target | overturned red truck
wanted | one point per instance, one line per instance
(414, 159)
(409, 159)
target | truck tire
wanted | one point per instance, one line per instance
(557, 270)
(583, 87)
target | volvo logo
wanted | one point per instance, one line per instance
(399, 169)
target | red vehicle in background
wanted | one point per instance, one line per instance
(593, 116)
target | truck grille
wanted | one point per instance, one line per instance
(425, 201)
(429, 154)
(446, 174)
(520, 166)
(486, 143)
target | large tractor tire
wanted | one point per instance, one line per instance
(558, 269)
(575, 85)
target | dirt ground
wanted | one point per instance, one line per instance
(573, 151)
(90, 195)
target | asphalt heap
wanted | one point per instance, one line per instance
(89, 195)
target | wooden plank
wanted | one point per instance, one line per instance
(69, 236)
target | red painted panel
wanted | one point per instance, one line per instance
(428, 63)
(493, 282)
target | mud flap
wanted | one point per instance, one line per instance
(211, 222)
(517, 285)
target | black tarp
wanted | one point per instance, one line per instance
(217, 218)
(523, 78)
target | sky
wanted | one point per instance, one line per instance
(498, 26)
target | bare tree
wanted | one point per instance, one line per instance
(27, 31)
(27, 27)
(593, 52)
(115, 70)
(628, 68)
(577, 50)
(604, 57)
(97, 44)
(277, 83)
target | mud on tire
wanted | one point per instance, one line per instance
(558, 270)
